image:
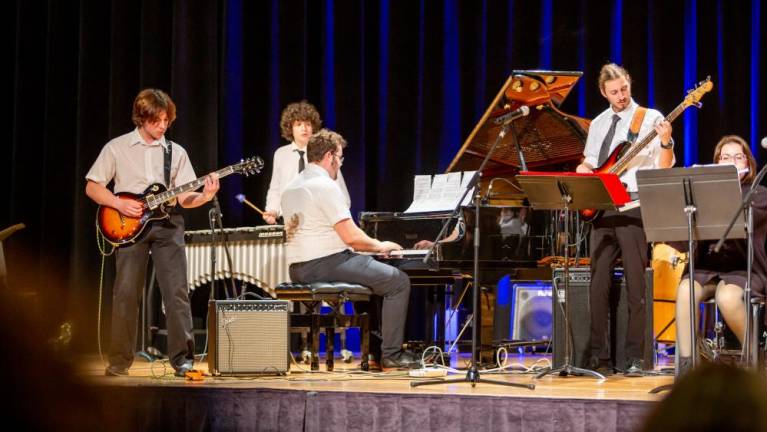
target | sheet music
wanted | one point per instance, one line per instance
(421, 188)
(467, 176)
(440, 192)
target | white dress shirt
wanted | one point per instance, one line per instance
(318, 204)
(134, 164)
(648, 158)
(285, 169)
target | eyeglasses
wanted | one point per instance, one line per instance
(739, 157)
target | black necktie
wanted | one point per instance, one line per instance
(301, 163)
(605, 150)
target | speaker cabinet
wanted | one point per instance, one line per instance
(580, 317)
(248, 337)
(532, 312)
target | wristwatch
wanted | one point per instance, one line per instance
(668, 146)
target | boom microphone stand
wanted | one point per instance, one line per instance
(472, 375)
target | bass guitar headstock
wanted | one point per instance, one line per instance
(695, 95)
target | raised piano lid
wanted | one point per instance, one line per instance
(549, 138)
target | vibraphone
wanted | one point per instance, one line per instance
(258, 256)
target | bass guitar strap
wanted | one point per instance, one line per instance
(636, 124)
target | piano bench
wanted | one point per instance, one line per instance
(312, 295)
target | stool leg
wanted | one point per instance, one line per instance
(364, 323)
(330, 335)
(314, 335)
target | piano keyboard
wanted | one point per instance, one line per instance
(409, 253)
(403, 253)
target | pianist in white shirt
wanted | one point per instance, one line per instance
(298, 122)
(323, 240)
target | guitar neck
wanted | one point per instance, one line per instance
(637, 147)
(188, 187)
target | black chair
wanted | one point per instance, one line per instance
(335, 294)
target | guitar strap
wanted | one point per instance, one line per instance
(636, 124)
(167, 160)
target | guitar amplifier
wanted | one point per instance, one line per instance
(580, 318)
(248, 337)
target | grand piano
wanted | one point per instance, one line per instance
(513, 237)
(512, 234)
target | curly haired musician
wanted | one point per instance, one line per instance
(135, 161)
(618, 234)
(723, 274)
(298, 122)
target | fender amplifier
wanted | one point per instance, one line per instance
(248, 337)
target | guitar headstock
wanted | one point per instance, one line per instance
(694, 96)
(251, 165)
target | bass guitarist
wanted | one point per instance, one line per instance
(135, 161)
(620, 234)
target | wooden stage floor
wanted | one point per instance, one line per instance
(348, 378)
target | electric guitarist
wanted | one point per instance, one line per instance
(618, 234)
(135, 161)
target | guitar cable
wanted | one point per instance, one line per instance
(101, 243)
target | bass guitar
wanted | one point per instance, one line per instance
(119, 229)
(620, 158)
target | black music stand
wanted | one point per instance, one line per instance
(569, 191)
(689, 204)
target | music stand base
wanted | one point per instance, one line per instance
(472, 376)
(567, 369)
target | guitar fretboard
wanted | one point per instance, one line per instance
(163, 197)
(634, 150)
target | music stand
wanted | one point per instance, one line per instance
(689, 204)
(571, 191)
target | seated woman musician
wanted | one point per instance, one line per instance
(723, 274)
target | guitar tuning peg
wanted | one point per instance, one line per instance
(698, 104)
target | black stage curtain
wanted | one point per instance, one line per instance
(404, 81)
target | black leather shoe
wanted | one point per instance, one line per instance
(401, 360)
(115, 371)
(634, 368)
(184, 368)
(601, 367)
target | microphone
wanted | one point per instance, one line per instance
(513, 115)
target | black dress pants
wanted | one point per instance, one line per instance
(618, 234)
(166, 241)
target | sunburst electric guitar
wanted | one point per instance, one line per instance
(119, 229)
(620, 158)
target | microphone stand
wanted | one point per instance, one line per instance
(214, 217)
(216, 221)
(472, 375)
(748, 208)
